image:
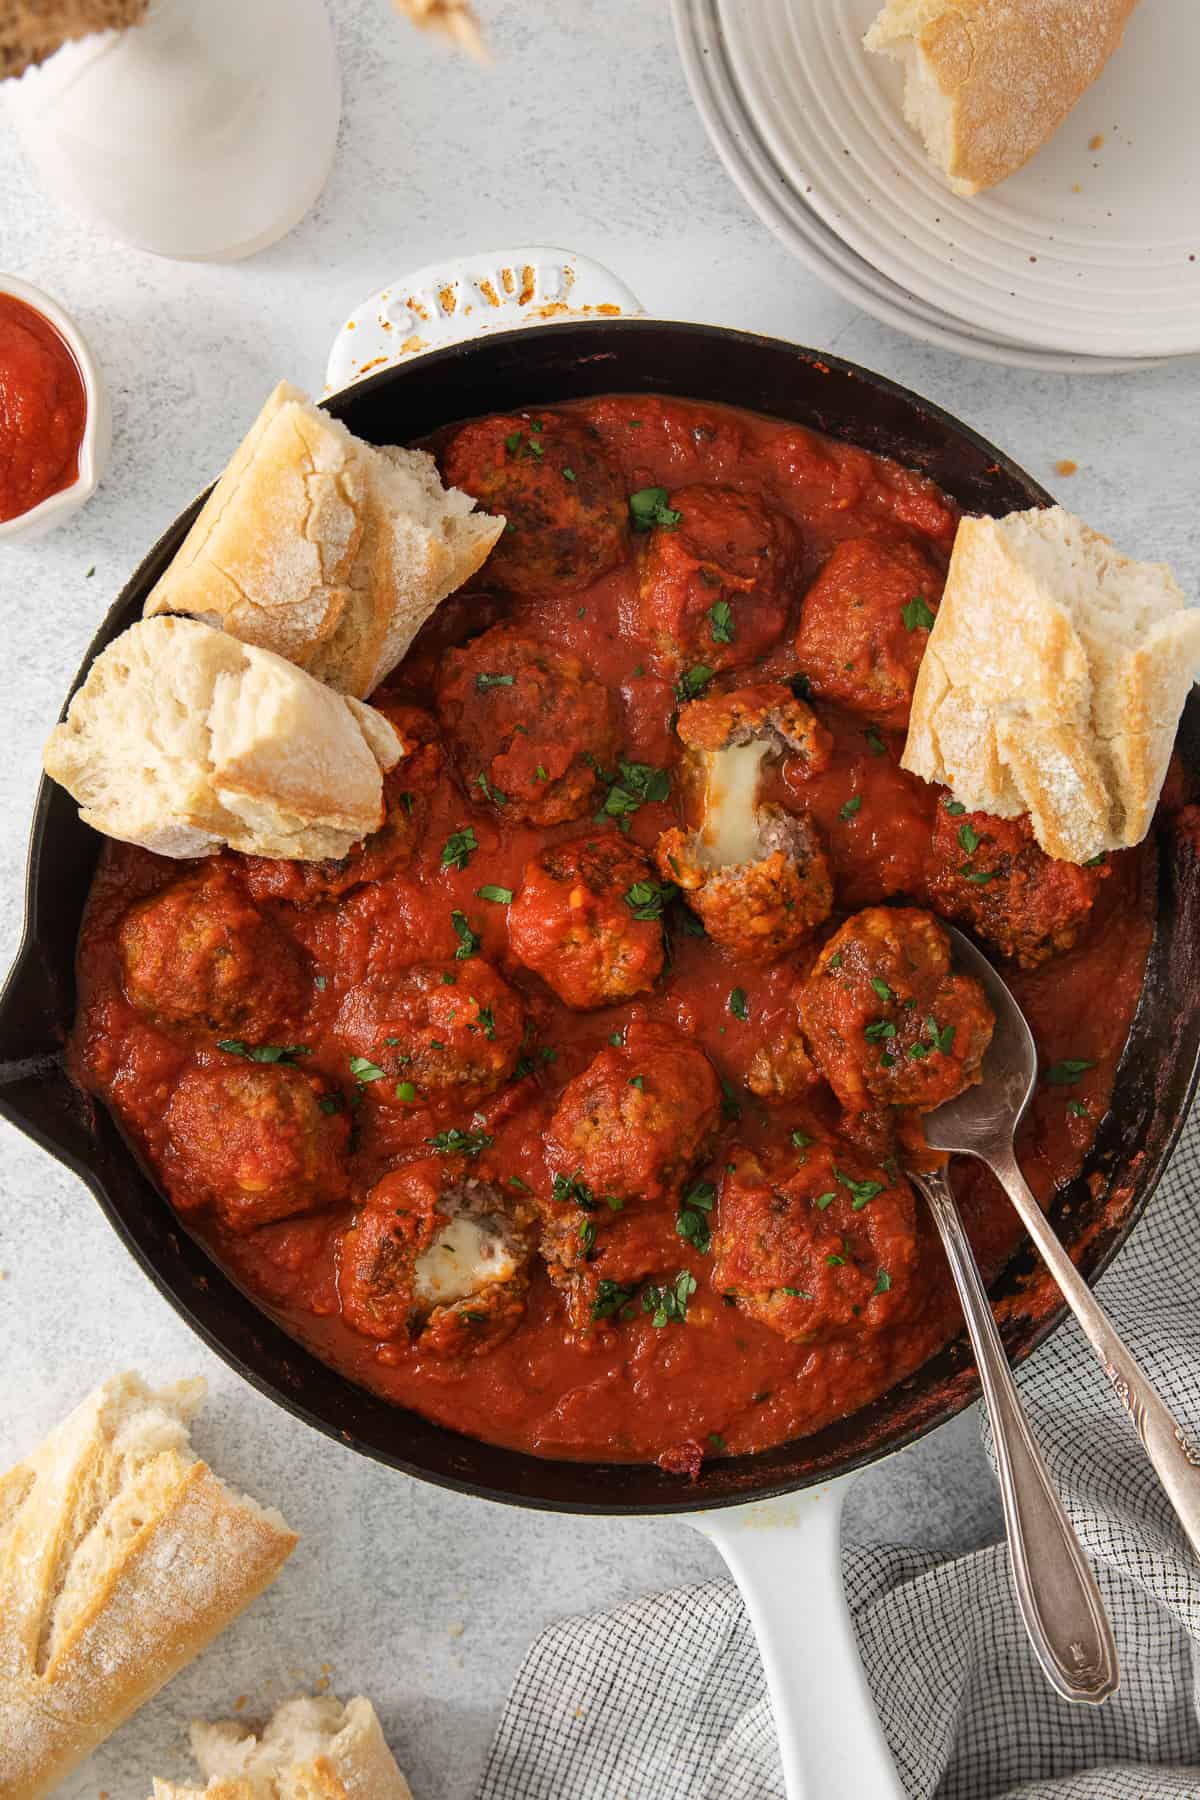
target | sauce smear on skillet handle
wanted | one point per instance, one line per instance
(592, 662)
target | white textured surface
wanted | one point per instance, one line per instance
(580, 134)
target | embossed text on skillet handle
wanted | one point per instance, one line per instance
(1176, 1460)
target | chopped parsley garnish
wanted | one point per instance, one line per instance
(613, 1301)
(501, 896)
(568, 474)
(364, 1070)
(875, 743)
(468, 940)
(800, 685)
(731, 1106)
(566, 1188)
(835, 961)
(333, 1103)
(717, 1441)
(916, 615)
(487, 1018)
(1096, 862)
(646, 899)
(917, 1051)
(449, 979)
(639, 1082)
(540, 773)
(406, 1091)
(587, 1236)
(835, 1262)
(801, 1140)
(796, 1293)
(648, 508)
(940, 1038)
(321, 983)
(484, 681)
(489, 792)
(263, 1053)
(883, 1282)
(522, 1187)
(969, 838)
(460, 1143)
(693, 682)
(851, 807)
(739, 1006)
(1062, 1074)
(720, 620)
(668, 1304)
(880, 1028)
(823, 1201)
(980, 877)
(882, 988)
(1078, 1108)
(616, 1037)
(954, 807)
(459, 848)
(692, 1220)
(861, 1192)
(633, 785)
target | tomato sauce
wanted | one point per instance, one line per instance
(43, 410)
(721, 1380)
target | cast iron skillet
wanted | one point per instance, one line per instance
(1154, 1083)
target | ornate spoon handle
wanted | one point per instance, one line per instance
(1175, 1459)
(1056, 1590)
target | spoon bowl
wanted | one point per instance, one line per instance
(987, 1115)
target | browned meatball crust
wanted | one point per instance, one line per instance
(438, 1028)
(529, 728)
(587, 920)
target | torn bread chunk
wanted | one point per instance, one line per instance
(754, 873)
(183, 740)
(310, 1749)
(987, 82)
(121, 1556)
(324, 549)
(1053, 681)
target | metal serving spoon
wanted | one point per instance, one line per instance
(981, 1123)
(1056, 1590)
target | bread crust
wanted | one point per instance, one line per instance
(989, 81)
(118, 1564)
(1053, 681)
(322, 548)
(184, 739)
(311, 1749)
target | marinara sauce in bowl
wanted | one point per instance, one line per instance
(54, 419)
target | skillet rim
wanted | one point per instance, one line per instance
(745, 1478)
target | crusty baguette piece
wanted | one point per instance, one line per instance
(184, 739)
(311, 1749)
(323, 549)
(1053, 681)
(30, 30)
(121, 1556)
(454, 19)
(988, 81)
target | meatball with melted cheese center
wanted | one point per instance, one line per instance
(439, 1253)
(199, 953)
(587, 919)
(255, 1143)
(561, 494)
(529, 728)
(886, 1017)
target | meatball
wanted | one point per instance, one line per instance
(887, 1019)
(198, 953)
(438, 1254)
(865, 624)
(530, 729)
(813, 1240)
(255, 1142)
(715, 580)
(587, 920)
(563, 497)
(993, 877)
(756, 875)
(439, 1028)
(781, 1069)
(407, 789)
(638, 1118)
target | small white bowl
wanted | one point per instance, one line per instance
(97, 424)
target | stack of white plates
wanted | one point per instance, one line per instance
(1088, 259)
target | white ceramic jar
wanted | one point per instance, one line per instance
(204, 133)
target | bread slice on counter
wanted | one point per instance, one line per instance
(121, 1556)
(986, 82)
(322, 548)
(1053, 681)
(311, 1749)
(183, 739)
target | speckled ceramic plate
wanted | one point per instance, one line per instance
(1092, 250)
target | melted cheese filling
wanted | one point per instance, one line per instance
(468, 1254)
(730, 834)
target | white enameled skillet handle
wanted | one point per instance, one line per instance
(785, 1556)
(472, 296)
